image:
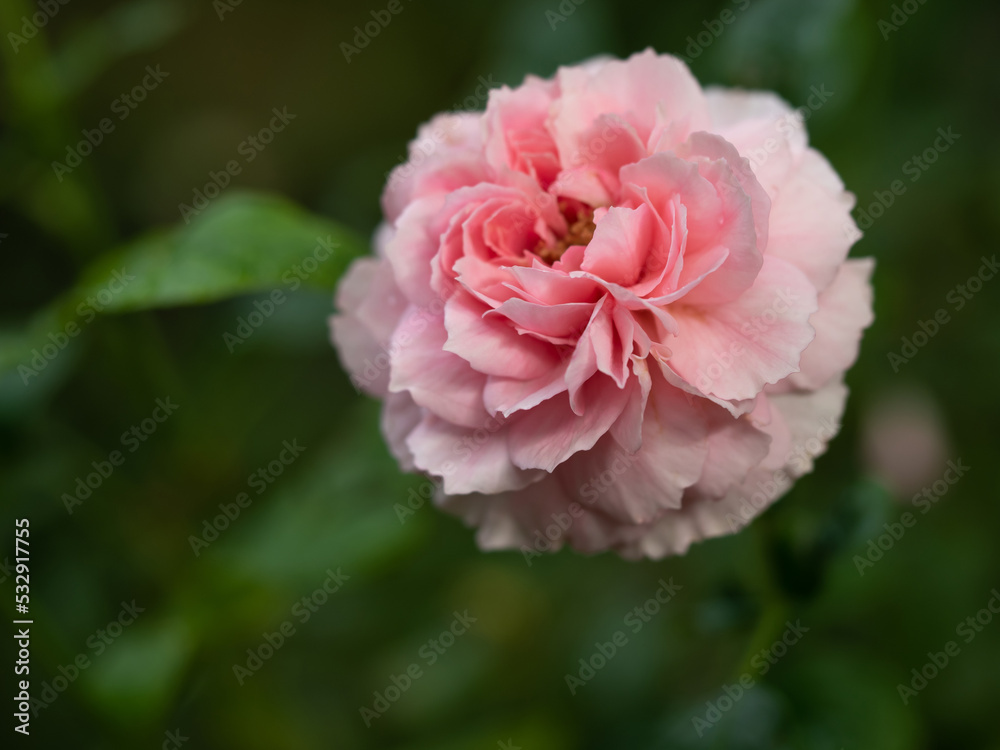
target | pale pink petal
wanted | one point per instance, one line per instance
(627, 430)
(845, 310)
(565, 322)
(467, 460)
(622, 241)
(400, 416)
(438, 380)
(507, 395)
(413, 246)
(609, 144)
(585, 185)
(445, 155)
(732, 351)
(718, 157)
(491, 344)
(812, 419)
(516, 136)
(632, 89)
(553, 287)
(717, 217)
(763, 128)
(362, 331)
(361, 355)
(670, 460)
(735, 447)
(811, 225)
(547, 435)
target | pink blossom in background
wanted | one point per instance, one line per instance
(614, 310)
(904, 439)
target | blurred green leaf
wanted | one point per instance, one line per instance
(122, 31)
(338, 512)
(847, 701)
(242, 243)
(136, 678)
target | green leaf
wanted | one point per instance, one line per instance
(138, 676)
(339, 511)
(126, 29)
(242, 243)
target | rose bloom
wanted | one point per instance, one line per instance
(613, 310)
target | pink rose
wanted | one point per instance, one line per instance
(613, 310)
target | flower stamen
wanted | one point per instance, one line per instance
(580, 232)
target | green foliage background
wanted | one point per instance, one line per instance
(172, 670)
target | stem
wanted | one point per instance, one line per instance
(775, 606)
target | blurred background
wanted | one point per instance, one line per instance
(223, 555)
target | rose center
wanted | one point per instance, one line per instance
(580, 231)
